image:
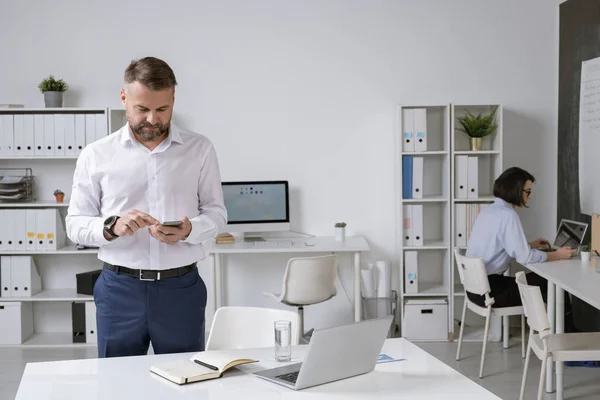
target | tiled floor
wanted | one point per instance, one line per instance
(503, 371)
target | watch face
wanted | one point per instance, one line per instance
(109, 221)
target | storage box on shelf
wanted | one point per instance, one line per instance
(423, 171)
(46, 142)
(473, 174)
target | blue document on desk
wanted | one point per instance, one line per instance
(384, 358)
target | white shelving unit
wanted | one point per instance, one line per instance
(489, 163)
(57, 269)
(434, 253)
(437, 280)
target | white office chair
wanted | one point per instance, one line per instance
(307, 281)
(474, 279)
(562, 347)
(248, 327)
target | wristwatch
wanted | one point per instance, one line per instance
(109, 223)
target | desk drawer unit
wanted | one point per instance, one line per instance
(425, 319)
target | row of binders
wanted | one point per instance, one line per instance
(412, 177)
(412, 225)
(19, 277)
(465, 216)
(49, 135)
(466, 177)
(31, 230)
(414, 130)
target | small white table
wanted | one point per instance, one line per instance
(576, 277)
(420, 376)
(320, 244)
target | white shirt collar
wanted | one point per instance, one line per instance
(173, 136)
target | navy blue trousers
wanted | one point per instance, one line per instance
(131, 313)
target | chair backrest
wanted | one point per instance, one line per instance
(310, 280)
(533, 305)
(249, 327)
(472, 273)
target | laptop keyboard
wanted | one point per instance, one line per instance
(291, 377)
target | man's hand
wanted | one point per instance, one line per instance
(171, 234)
(133, 221)
(563, 253)
(540, 243)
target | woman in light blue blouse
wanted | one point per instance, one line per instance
(497, 237)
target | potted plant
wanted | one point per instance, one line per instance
(340, 231)
(53, 91)
(478, 126)
(60, 195)
(585, 252)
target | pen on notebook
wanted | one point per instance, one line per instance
(206, 365)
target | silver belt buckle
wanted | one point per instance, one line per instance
(145, 279)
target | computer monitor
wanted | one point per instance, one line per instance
(256, 207)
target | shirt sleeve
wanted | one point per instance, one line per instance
(515, 243)
(212, 215)
(84, 222)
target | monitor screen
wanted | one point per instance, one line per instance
(255, 202)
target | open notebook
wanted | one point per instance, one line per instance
(200, 367)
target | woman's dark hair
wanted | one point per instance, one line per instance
(510, 184)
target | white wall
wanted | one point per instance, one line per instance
(307, 91)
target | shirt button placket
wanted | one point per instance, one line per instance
(153, 205)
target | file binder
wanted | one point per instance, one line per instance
(79, 132)
(460, 225)
(420, 115)
(26, 280)
(472, 177)
(50, 231)
(59, 135)
(30, 230)
(407, 176)
(38, 135)
(5, 277)
(101, 126)
(90, 128)
(8, 135)
(417, 224)
(49, 135)
(4, 233)
(411, 277)
(19, 135)
(461, 178)
(28, 135)
(70, 146)
(417, 178)
(20, 229)
(408, 128)
(91, 335)
(407, 236)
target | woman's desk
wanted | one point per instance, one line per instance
(580, 279)
(320, 244)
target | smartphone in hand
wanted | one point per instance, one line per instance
(172, 223)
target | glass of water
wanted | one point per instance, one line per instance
(283, 340)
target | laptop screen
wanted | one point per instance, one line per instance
(570, 234)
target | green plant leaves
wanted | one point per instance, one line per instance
(51, 84)
(478, 125)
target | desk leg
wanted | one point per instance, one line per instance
(551, 319)
(560, 328)
(218, 284)
(357, 298)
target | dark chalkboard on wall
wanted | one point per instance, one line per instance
(579, 40)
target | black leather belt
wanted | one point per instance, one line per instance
(151, 274)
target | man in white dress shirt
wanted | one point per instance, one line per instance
(124, 187)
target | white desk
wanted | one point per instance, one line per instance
(322, 244)
(577, 278)
(419, 377)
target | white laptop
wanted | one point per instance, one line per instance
(569, 234)
(334, 354)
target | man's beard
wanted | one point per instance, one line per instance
(153, 133)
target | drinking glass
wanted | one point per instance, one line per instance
(283, 340)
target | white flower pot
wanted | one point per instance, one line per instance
(585, 256)
(340, 234)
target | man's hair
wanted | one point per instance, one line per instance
(510, 184)
(151, 72)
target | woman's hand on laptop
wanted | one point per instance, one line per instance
(540, 244)
(562, 253)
